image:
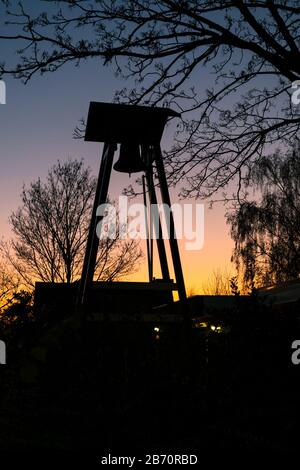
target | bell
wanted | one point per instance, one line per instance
(129, 159)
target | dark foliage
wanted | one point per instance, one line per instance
(266, 230)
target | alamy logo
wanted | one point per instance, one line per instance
(296, 93)
(296, 354)
(2, 352)
(2, 92)
(131, 222)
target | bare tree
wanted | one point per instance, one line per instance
(9, 286)
(218, 283)
(250, 48)
(51, 230)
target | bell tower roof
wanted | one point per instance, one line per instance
(119, 123)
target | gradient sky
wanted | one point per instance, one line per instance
(36, 126)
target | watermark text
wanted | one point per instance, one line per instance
(2, 92)
(136, 221)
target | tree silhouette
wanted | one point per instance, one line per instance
(51, 230)
(218, 283)
(251, 48)
(9, 285)
(267, 231)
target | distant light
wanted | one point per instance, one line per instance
(156, 329)
(200, 324)
(217, 329)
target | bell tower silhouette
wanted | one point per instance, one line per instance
(138, 130)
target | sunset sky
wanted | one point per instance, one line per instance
(36, 129)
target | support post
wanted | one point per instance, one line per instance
(159, 239)
(173, 240)
(92, 245)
